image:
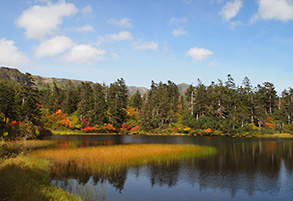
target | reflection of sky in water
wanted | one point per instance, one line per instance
(243, 169)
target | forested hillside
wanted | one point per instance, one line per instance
(221, 108)
(44, 82)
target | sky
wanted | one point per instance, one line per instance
(145, 40)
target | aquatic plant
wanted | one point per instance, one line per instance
(107, 158)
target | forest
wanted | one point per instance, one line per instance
(221, 108)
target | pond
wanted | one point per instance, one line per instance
(242, 169)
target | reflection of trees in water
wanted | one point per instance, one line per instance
(164, 173)
(247, 166)
(116, 177)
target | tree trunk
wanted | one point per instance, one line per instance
(191, 103)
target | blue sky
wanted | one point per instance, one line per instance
(160, 40)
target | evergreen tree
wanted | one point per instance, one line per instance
(117, 100)
(8, 108)
(189, 97)
(136, 101)
(28, 98)
(86, 104)
(100, 108)
(71, 99)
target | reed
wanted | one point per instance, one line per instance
(107, 158)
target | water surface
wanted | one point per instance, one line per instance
(243, 169)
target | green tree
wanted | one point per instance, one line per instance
(8, 108)
(117, 100)
(71, 99)
(189, 97)
(100, 107)
(85, 106)
(28, 98)
(136, 101)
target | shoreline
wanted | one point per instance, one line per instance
(276, 135)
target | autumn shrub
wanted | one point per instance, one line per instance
(125, 127)
(134, 129)
(109, 128)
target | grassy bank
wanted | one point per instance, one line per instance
(12, 149)
(105, 158)
(78, 132)
(24, 178)
(277, 135)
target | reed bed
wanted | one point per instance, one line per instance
(105, 158)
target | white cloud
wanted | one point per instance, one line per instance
(187, 1)
(114, 55)
(231, 9)
(213, 64)
(178, 21)
(216, 1)
(84, 54)
(178, 32)
(53, 46)
(121, 36)
(145, 45)
(86, 28)
(274, 9)
(199, 54)
(9, 54)
(41, 21)
(87, 11)
(124, 22)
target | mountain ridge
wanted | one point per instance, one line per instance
(14, 74)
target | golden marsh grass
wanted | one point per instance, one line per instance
(111, 157)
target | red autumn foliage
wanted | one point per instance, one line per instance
(135, 128)
(89, 129)
(84, 121)
(125, 127)
(109, 127)
(207, 130)
(269, 125)
(14, 123)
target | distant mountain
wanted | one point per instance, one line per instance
(42, 82)
(182, 88)
(12, 74)
(133, 89)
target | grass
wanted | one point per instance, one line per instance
(277, 135)
(23, 178)
(14, 148)
(78, 132)
(107, 158)
(27, 177)
(29, 144)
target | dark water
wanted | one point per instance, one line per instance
(243, 169)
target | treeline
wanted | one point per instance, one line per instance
(220, 108)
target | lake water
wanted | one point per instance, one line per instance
(243, 169)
